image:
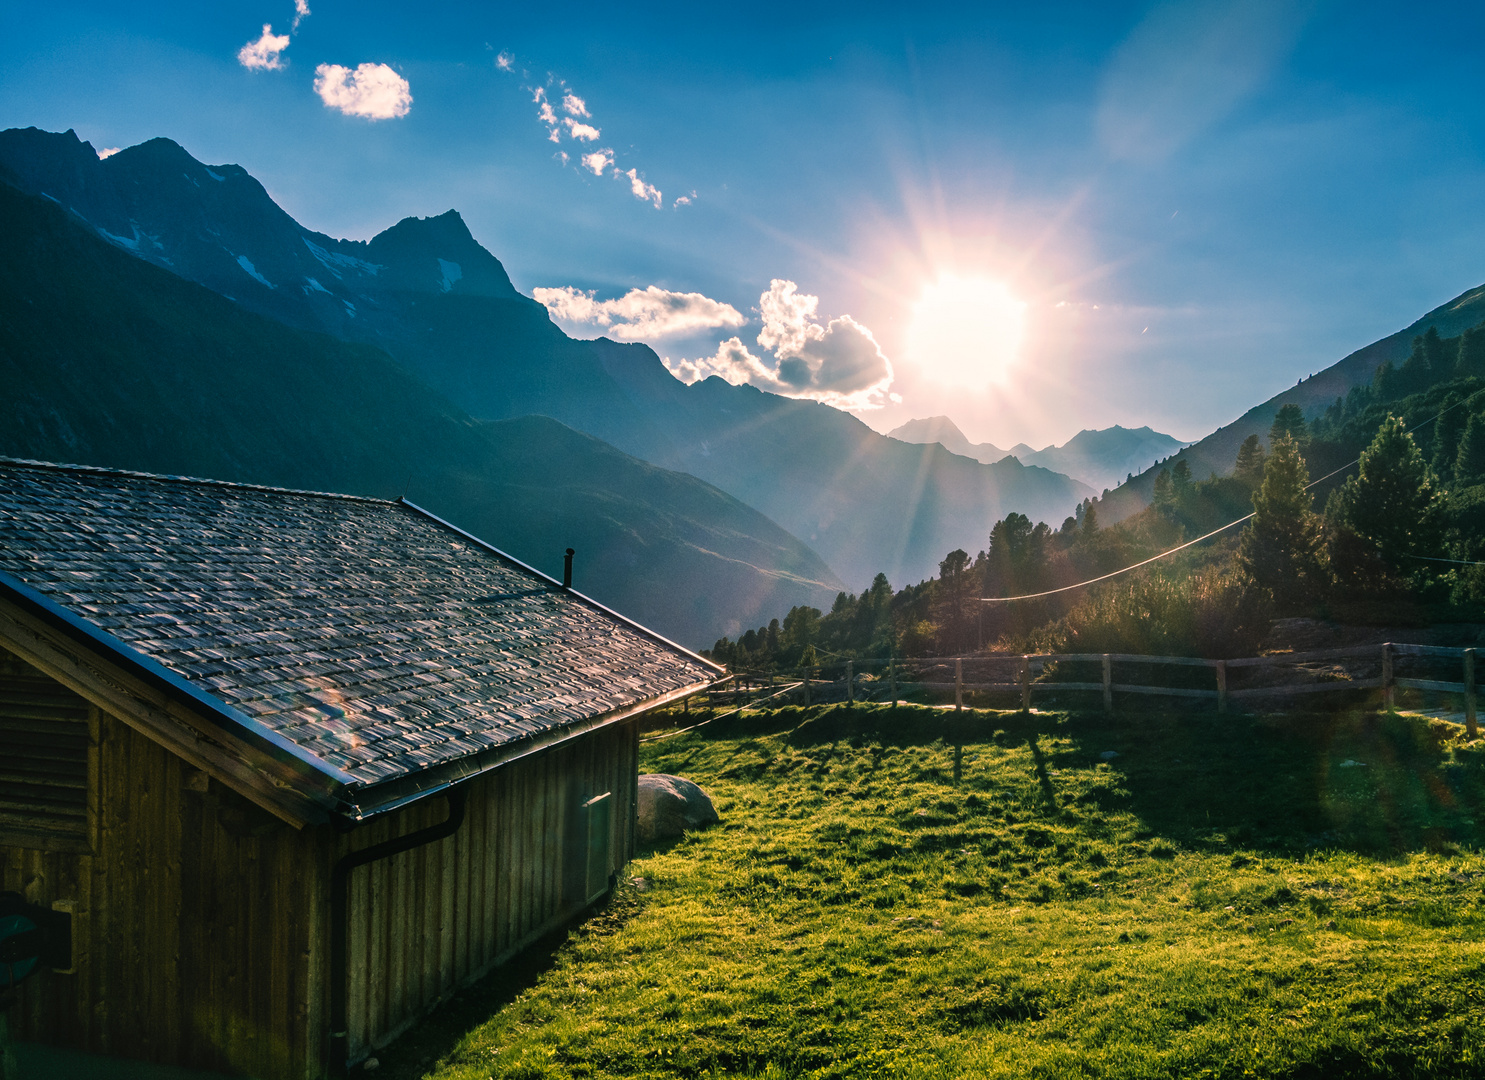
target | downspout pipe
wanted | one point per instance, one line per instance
(340, 886)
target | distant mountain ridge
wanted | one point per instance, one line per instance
(1102, 458)
(107, 360)
(427, 293)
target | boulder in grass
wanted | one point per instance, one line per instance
(670, 806)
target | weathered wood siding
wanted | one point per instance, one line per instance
(428, 921)
(200, 921)
(192, 919)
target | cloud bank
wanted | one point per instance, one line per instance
(374, 91)
(640, 314)
(265, 54)
(838, 362)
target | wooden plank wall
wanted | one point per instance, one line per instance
(200, 922)
(193, 922)
(429, 921)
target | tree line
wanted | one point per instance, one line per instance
(1395, 537)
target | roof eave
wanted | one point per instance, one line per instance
(381, 798)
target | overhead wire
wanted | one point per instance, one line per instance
(1214, 532)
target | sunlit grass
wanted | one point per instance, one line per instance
(1222, 898)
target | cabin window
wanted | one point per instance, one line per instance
(45, 736)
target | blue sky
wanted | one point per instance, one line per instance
(1189, 206)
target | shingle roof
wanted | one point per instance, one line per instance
(374, 638)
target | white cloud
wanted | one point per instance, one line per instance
(597, 161)
(108, 153)
(301, 12)
(684, 200)
(787, 317)
(732, 362)
(586, 132)
(838, 363)
(562, 154)
(640, 314)
(546, 114)
(505, 61)
(642, 190)
(374, 91)
(574, 105)
(264, 54)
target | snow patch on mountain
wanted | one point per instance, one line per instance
(452, 272)
(247, 266)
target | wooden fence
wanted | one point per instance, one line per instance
(1045, 673)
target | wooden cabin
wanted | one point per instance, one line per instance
(294, 767)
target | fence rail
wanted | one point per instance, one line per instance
(1039, 674)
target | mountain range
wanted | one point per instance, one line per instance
(1104, 458)
(441, 306)
(106, 360)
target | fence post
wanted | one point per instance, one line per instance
(958, 684)
(850, 683)
(1387, 690)
(892, 679)
(1026, 683)
(1221, 686)
(1471, 726)
(1108, 683)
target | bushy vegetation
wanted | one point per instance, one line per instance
(1165, 896)
(1394, 538)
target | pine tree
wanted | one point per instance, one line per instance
(1281, 547)
(1289, 420)
(1469, 460)
(1417, 370)
(1447, 431)
(1391, 509)
(1387, 382)
(1165, 491)
(1249, 467)
(1471, 352)
(1180, 478)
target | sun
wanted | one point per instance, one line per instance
(966, 331)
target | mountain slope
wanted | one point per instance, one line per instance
(437, 302)
(106, 360)
(1218, 451)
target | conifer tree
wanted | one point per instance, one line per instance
(1391, 509)
(1469, 460)
(1471, 352)
(1165, 491)
(1447, 431)
(1289, 420)
(1249, 467)
(1180, 478)
(1281, 547)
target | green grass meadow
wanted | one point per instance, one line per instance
(1225, 897)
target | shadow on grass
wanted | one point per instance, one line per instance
(436, 1037)
(1353, 780)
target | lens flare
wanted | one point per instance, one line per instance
(966, 331)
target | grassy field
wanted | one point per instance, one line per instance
(1221, 897)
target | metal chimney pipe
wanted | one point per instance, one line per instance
(567, 569)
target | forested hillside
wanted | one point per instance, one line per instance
(1395, 535)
